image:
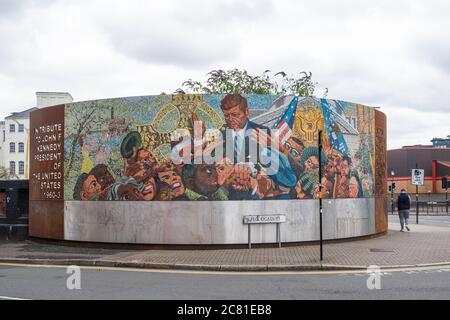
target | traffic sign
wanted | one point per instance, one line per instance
(417, 176)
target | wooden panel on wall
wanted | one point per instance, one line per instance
(46, 216)
(381, 221)
(46, 219)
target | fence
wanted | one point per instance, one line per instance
(429, 203)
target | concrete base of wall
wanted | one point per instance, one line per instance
(140, 246)
(214, 222)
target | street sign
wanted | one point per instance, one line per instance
(417, 176)
(275, 218)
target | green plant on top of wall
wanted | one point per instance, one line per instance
(240, 81)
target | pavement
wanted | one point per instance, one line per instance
(425, 245)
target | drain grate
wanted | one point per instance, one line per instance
(380, 250)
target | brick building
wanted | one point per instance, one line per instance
(434, 160)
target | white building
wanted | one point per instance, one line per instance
(2, 140)
(14, 130)
(47, 99)
(15, 145)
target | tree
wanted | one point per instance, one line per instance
(5, 174)
(82, 117)
(240, 81)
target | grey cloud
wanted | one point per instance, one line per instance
(14, 8)
(246, 9)
(407, 126)
(10, 7)
(158, 48)
(194, 34)
(435, 52)
(217, 15)
(428, 43)
(11, 50)
(379, 93)
(346, 11)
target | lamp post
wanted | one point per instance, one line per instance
(417, 199)
(320, 194)
(446, 197)
(392, 190)
(446, 193)
(429, 200)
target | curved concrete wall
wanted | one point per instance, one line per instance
(71, 143)
(214, 222)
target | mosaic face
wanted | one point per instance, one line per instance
(122, 150)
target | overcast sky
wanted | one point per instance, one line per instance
(390, 54)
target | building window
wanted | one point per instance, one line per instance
(352, 121)
(21, 167)
(12, 147)
(21, 147)
(12, 128)
(21, 128)
(12, 167)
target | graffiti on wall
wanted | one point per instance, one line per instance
(130, 148)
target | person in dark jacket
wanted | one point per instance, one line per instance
(403, 204)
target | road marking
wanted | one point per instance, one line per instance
(243, 273)
(11, 298)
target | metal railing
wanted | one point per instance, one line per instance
(432, 204)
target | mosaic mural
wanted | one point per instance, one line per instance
(123, 149)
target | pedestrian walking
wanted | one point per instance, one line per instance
(403, 205)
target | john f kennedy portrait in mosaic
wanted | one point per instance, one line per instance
(217, 147)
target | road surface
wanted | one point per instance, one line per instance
(45, 282)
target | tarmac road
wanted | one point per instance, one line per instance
(45, 282)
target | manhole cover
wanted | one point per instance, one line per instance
(380, 250)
